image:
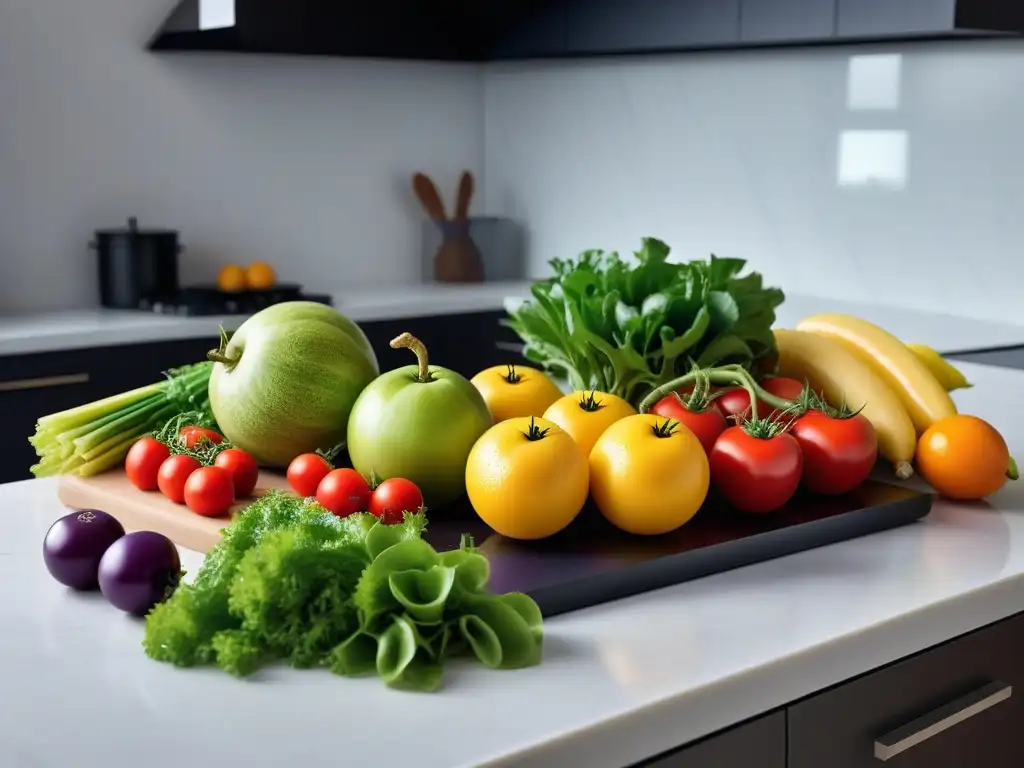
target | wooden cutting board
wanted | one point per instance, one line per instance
(152, 511)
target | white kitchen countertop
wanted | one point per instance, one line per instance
(619, 682)
(47, 332)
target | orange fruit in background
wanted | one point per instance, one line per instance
(515, 390)
(260, 276)
(526, 478)
(587, 414)
(231, 279)
(964, 457)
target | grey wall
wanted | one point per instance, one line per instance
(301, 162)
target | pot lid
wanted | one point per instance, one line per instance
(132, 228)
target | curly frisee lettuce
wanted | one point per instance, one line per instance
(626, 328)
(290, 581)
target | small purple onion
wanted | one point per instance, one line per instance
(75, 544)
(138, 571)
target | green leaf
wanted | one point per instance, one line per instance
(354, 657)
(373, 596)
(722, 349)
(725, 312)
(423, 594)
(472, 569)
(499, 634)
(400, 662)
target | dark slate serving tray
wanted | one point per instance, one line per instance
(592, 562)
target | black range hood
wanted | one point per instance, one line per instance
(442, 30)
(485, 30)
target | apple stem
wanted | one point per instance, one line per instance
(418, 348)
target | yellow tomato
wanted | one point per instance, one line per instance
(586, 415)
(231, 279)
(512, 391)
(526, 478)
(964, 457)
(648, 474)
(260, 276)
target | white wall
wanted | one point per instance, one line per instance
(303, 162)
(739, 154)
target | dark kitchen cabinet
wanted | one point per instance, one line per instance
(598, 27)
(465, 343)
(35, 385)
(760, 743)
(536, 33)
(787, 21)
(959, 704)
(881, 19)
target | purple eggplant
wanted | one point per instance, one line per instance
(75, 544)
(138, 571)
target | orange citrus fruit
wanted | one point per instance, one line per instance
(231, 279)
(964, 457)
(260, 276)
(586, 415)
(526, 478)
(512, 391)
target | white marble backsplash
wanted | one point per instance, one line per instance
(889, 173)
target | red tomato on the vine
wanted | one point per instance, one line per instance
(210, 491)
(706, 424)
(393, 498)
(343, 492)
(172, 476)
(839, 453)
(191, 436)
(756, 473)
(243, 468)
(306, 471)
(735, 402)
(143, 462)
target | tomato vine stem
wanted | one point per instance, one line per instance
(408, 341)
(723, 375)
(512, 377)
(533, 432)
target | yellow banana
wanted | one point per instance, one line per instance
(924, 398)
(949, 376)
(843, 379)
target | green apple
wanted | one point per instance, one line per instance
(418, 422)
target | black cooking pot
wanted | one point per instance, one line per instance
(136, 265)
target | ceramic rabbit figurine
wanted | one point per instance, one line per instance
(457, 260)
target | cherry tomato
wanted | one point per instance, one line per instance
(173, 474)
(305, 473)
(343, 491)
(735, 402)
(392, 498)
(143, 462)
(707, 425)
(243, 468)
(756, 474)
(210, 491)
(192, 435)
(838, 453)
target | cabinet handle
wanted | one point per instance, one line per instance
(941, 719)
(19, 385)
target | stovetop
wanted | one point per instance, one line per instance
(199, 301)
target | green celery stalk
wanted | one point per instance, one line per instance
(128, 420)
(105, 461)
(83, 414)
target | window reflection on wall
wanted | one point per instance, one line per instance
(875, 154)
(873, 82)
(874, 158)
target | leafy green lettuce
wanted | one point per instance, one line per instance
(290, 581)
(624, 328)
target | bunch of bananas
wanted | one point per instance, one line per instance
(902, 388)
